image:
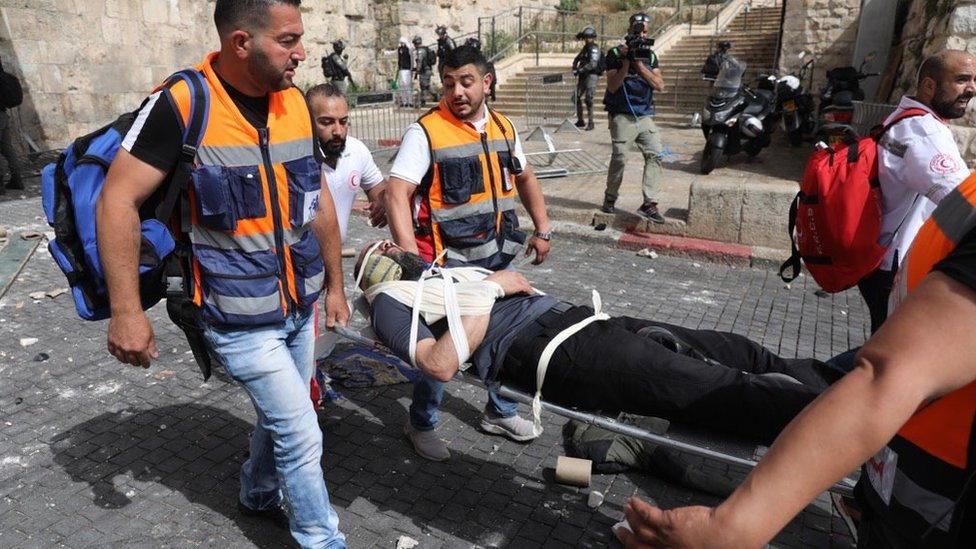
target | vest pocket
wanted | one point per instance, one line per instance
(304, 189)
(306, 262)
(246, 188)
(460, 178)
(467, 232)
(239, 288)
(211, 189)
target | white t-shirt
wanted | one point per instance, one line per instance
(355, 169)
(413, 158)
(918, 157)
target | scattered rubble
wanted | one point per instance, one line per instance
(594, 500)
(406, 542)
(647, 252)
(28, 341)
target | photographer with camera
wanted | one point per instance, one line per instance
(587, 66)
(633, 76)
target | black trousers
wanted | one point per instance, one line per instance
(875, 289)
(608, 367)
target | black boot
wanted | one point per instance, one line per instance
(579, 116)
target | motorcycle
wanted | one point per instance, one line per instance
(836, 111)
(795, 103)
(735, 116)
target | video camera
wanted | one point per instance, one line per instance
(638, 47)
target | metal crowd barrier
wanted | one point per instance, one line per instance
(549, 99)
(868, 115)
(376, 120)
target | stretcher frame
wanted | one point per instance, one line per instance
(843, 488)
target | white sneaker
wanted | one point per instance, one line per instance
(515, 427)
(426, 443)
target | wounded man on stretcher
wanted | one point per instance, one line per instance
(438, 319)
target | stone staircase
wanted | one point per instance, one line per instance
(754, 38)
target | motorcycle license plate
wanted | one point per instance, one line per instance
(789, 106)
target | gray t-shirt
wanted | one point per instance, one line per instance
(391, 321)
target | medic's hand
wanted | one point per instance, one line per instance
(511, 281)
(377, 211)
(541, 248)
(131, 339)
(684, 527)
(336, 308)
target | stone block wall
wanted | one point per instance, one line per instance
(83, 62)
(825, 28)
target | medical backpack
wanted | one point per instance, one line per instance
(835, 218)
(70, 189)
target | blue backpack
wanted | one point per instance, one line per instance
(70, 188)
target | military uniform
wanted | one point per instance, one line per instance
(424, 71)
(586, 66)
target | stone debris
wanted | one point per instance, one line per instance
(37, 295)
(594, 500)
(647, 252)
(28, 341)
(406, 542)
(349, 252)
(55, 293)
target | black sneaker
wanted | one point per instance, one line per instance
(590, 126)
(607, 207)
(580, 123)
(276, 515)
(650, 213)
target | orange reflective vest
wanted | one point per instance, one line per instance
(252, 196)
(466, 201)
(916, 483)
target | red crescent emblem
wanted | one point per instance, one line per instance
(354, 179)
(943, 164)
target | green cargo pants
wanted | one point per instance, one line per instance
(625, 129)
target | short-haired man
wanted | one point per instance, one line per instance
(632, 79)
(255, 267)
(347, 164)
(452, 192)
(918, 164)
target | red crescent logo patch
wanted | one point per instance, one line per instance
(354, 179)
(943, 164)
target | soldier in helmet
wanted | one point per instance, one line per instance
(444, 45)
(334, 66)
(476, 44)
(587, 67)
(424, 59)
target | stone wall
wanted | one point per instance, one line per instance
(825, 28)
(83, 62)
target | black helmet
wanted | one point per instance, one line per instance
(724, 45)
(588, 32)
(473, 42)
(338, 45)
(642, 17)
(441, 30)
(417, 40)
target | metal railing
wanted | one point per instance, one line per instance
(868, 115)
(376, 120)
(549, 99)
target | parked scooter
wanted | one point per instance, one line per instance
(735, 116)
(795, 103)
(836, 111)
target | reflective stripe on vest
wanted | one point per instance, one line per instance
(252, 196)
(467, 198)
(916, 480)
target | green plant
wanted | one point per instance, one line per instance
(568, 5)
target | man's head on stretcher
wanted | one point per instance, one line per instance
(384, 261)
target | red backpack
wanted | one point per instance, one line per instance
(835, 219)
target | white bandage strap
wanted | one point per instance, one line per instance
(546, 356)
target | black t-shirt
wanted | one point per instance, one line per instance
(156, 137)
(960, 264)
(392, 319)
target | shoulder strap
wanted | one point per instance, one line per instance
(907, 113)
(192, 134)
(793, 262)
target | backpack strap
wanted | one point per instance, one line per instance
(794, 259)
(880, 129)
(192, 134)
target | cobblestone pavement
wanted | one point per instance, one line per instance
(96, 453)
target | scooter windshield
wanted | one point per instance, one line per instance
(729, 78)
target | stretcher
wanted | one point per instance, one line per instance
(718, 447)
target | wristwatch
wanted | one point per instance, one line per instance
(547, 236)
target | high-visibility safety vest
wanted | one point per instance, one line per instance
(916, 483)
(466, 201)
(252, 196)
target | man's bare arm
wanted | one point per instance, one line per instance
(377, 205)
(615, 77)
(530, 192)
(653, 77)
(326, 229)
(128, 184)
(895, 375)
(399, 194)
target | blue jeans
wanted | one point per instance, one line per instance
(275, 365)
(428, 394)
